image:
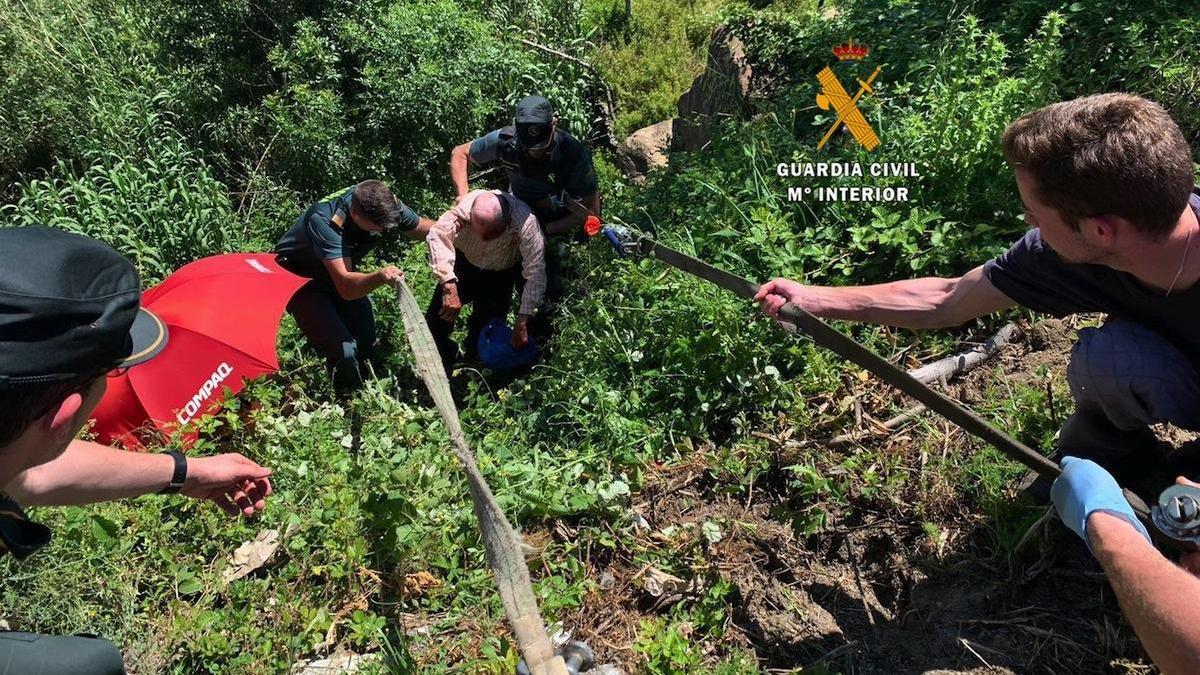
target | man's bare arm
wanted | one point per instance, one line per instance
(352, 285)
(86, 473)
(589, 205)
(418, 233)
(1160, 599)
(930, 302)
(460, 157)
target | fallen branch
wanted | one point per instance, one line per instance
(887, 425)
(951, 366)
(938, 371)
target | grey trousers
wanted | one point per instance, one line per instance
(1125, 377)
(33, 654)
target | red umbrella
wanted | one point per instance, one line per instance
(222, 317)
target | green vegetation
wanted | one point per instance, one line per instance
(178, 129)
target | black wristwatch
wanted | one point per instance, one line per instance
(180, 474)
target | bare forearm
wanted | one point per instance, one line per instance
(419, 232)
(1160, 599)
(931, 302)
(355, 285)
(458, 171)
(88, 472)
(912, 303)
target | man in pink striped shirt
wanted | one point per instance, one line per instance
(481, 250)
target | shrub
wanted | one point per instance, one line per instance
(76, 76)
(162, 211)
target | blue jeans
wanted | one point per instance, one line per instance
(1126, 377)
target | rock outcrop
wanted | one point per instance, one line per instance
(720, 91)
(645, 150)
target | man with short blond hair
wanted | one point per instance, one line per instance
(481, 250)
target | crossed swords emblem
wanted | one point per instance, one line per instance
(835, 96)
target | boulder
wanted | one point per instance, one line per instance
(720, 91)
(645, 150)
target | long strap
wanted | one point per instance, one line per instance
(844, 346)
(503, 544)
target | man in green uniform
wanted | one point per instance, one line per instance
(327, 244)
(547, 168)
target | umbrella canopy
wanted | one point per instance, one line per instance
(222, 317)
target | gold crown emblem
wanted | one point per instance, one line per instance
(848, 51)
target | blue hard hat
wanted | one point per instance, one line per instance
(496, 352)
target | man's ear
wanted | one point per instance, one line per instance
(1104, 229)
(63, 416)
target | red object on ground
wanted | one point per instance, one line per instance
(592, 226)
(222, 315)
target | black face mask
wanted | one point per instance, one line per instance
(534, 136)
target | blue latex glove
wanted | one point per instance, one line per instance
(1084, 488)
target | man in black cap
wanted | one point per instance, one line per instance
(68, 316)
(326, 244)
(548, 168)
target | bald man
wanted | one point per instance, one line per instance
(481, 251)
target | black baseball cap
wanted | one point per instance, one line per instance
(69, 307)
(534, 110)
(533, 120)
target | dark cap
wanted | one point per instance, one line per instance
(534, 110)
(68, 308)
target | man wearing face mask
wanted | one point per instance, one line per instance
(481, 250)
(547, 168)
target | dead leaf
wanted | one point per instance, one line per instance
(658, 583)
(417, 583)
(251, 555)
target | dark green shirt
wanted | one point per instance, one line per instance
(569, 168)
(327, 232)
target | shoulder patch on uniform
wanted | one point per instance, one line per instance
(334, 195)
(337, 219)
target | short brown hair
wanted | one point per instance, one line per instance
(23, 405)
(1107, 154)
(374, 200)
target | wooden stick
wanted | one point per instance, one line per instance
(961, 363)
(888, 425)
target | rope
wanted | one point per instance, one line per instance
(501, 541)
(828, 337)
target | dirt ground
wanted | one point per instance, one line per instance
(870, 593)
